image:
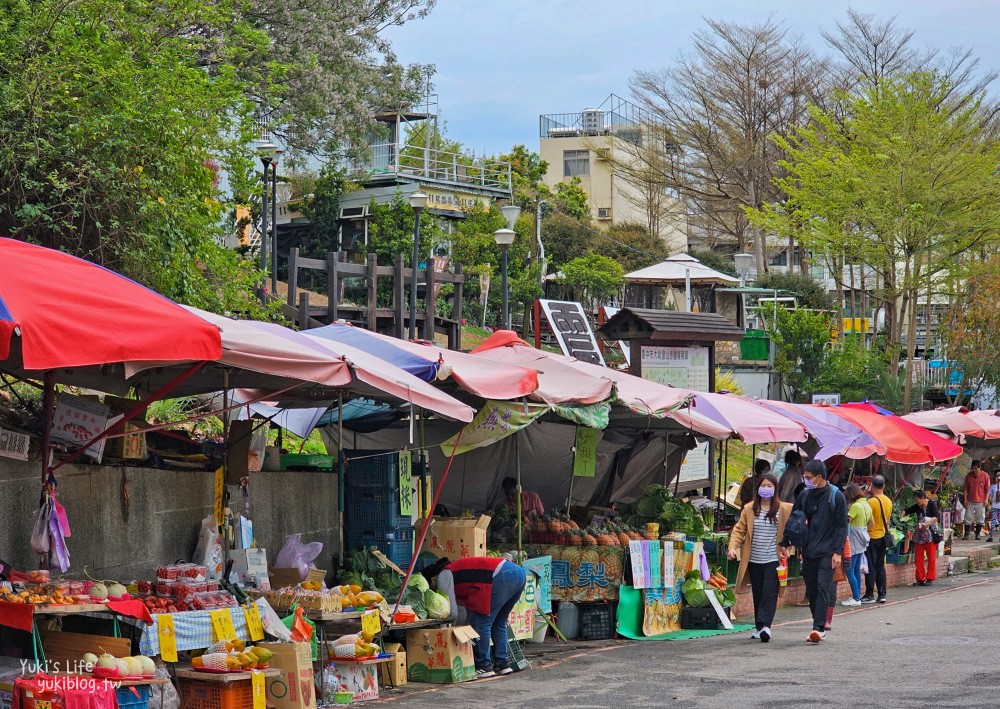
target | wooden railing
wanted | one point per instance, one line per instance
(337, 269)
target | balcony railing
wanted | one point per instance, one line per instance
(386, 160)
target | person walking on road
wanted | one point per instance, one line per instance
(879, 543)
(859, 515)
(976, 488)
(754, 540)
(748, 487)
(825, 510)
(791, 480)
(925, 538)
(994, 496)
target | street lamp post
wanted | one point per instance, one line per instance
(743, 263)
(504, 238)
(418, 200)
(274, 220)
(541, 246)
(266, 152)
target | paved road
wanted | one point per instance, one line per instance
(928, 647)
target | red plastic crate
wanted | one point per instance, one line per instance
(208, 695)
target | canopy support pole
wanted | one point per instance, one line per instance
(520, 513)
(569, 496)
(225, 471)
(48, 407)
(944, 474)
(341, 492)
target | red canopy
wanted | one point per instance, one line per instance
(905, 442)
(72, 313)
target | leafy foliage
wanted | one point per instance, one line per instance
(593, 277)
(713, 259)
(971, 335)
(571, 199)
(800, 338)
(810, 293)
(631, 245)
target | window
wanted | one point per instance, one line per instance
(576, 163)
(603, 213)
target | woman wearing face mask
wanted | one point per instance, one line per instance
(859, 515)
(754, 540)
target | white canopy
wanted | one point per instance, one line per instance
(671, 272)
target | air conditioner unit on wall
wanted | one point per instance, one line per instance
(604, 212)
(592, 121)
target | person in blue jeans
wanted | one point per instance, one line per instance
(482, 591)
(859, 515)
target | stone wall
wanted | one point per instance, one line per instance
(166, 510)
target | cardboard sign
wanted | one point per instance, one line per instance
(723, 618)
(639, 557)
(371, 622)
(655, 567)
(259, 690)
(522, 616)
(220, 488)
(585, 452)
(255, 626)
(542, 568)
(222, 625)
(168, 637)
(76, 421)
(405, 484)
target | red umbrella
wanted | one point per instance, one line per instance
(59, 311)
(905, 442)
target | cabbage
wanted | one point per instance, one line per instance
(438, 605)
(420, 582)
(696, 592)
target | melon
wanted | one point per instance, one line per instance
(89, 661)
(107, 662)
(148, 666)
(134, 666)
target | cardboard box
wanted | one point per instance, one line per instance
(131, 446)
(250, 568)
(361, 680)
(290, 577)
(393, 674)
(440, 655)
(456, 538)
(294, 688)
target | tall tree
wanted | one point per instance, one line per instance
(906, 179)
(717, 108)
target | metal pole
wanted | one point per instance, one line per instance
(520, 514)
(413, 281)
(274, 226)
(541, 246)
(504, 315)
(266, 161)
(687, 288)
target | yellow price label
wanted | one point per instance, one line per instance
(222, 624)
(220, 487)
(168, 637)
(257, 686)
(371, 622)
(255, 626)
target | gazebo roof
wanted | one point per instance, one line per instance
(672, 271)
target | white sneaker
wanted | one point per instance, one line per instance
(483, 674)
(756, 635)
(765, 635)
(850, 602)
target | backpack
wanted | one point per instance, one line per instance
(797, 526)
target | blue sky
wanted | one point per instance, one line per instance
(501, 63)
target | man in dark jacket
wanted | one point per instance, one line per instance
(825, 509)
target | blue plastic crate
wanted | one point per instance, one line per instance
(374, 507)
(371, 468)
(397, 544)
(128, 700)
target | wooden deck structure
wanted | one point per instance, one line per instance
(388, 321)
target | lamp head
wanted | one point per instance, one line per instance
(743, 263)
(418, 200)
(510, 212)
(504, 237)
(266, 151)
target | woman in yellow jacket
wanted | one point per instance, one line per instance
(755, 541)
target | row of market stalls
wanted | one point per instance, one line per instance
(402, 420)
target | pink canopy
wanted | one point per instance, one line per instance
(558, 382)
(905, 442)
(487, 380)
(989, 421)
(751, 422)
(954, 421)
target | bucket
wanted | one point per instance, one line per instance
(568, 621)
(541, 629)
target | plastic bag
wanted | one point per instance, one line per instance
(296, 618)
(209, 550)
(272, 622)
(40, 541)
(298, 555)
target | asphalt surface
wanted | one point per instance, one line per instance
(928, 647)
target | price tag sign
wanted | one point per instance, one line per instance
(255, 626)
(220, 486)
(371, 622)
(168, 638)
(257, 685)
(222, 625)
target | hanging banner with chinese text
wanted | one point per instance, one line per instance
(583, 574)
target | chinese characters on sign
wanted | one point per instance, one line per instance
(581, 574)
(585, 452)
(572, 330)
(76, 421)
(405, 484)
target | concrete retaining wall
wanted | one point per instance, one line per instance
(162, 523)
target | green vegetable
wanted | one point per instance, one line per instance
(438, 605)
(419, 582)
(696, 591)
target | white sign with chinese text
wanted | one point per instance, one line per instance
(76, 421)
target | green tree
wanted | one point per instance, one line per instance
(810, 293)
(852, 369)
(571, 199)
(970, 333)
(904, 179)
(390, 231)
(593, 278)
(565, 238)
(630, 245)
(800, 340)
(713, 259)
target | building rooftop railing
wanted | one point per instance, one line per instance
(388, 162)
